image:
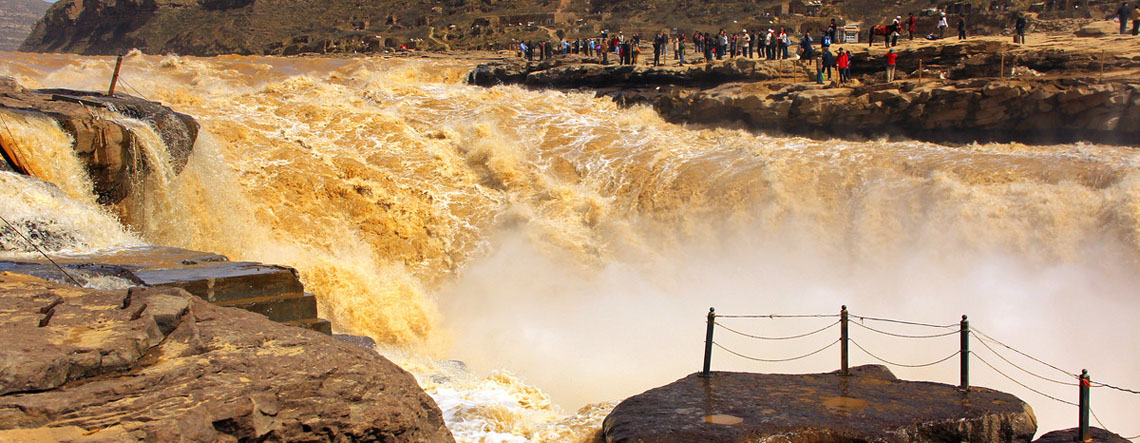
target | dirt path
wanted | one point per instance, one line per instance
(431, 36)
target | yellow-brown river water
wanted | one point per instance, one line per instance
(566, 250)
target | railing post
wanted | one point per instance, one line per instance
(965, 352)
(843, 341)
(1084, 405)
(115, 76)
(709, 341)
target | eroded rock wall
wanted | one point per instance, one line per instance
(977, 110)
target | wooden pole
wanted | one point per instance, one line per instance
(920, 72)
(1102, 66)
(115, 76)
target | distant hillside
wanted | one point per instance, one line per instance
(210, 27)
(16, 20)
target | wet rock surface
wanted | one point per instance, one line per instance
(106, 146)
(161, 365)
(869, 405)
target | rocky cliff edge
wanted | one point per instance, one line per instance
(161, 365)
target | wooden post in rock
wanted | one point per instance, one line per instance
(115, 76)
(1102, 66)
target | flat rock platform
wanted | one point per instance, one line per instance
(871, 404)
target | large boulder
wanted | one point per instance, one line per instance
(868, 405)
(161, 365)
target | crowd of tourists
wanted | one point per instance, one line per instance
(771, 44)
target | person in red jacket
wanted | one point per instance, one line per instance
(843, 62)
(891, 57)
(910, 25)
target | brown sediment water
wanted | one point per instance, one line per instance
(578, 244)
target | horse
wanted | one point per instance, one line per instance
(883, 30)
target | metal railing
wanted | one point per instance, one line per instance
(843, 320)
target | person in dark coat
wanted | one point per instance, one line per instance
(828, 61)
(1122, 13)
(806, 51)
(961, 27)
(1022, 23)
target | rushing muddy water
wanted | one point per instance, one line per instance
(566, 250)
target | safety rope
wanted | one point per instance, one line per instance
(983, 342)
(1102, 426)
(889, 320)
(976, 331)
(790, 337)
(900, 364)
(1020, 383)
(780, 316)
(779, 360)
(892, 334)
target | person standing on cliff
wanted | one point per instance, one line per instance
(681, 48)
(806, 51)
(1022, 23)
(1123, 13)
(895, 31)
(784, 43)
(747, 44)
(910, 26)
(891, 58)
(828, 61)
(962, 27)
(844, 63)
(1136, 21)
(942, 25)
(658, 43)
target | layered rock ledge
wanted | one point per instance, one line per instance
(270, 290)
(107, 147)
(869, 405)
(161, 365)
